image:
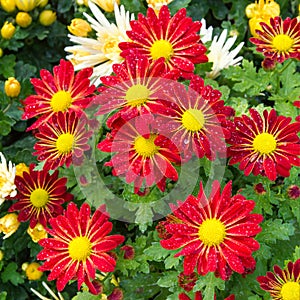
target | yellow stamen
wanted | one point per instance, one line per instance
(80, 248)
(264, 143)
(61, 101)
(64, 143)
(161, 48)
(290, 291)
(39, 197)
(212, 232)
(137, 95)
(283, 43)
(146, 147)
(193, 119)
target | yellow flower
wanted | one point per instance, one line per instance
(20, 168)
(37, 233)
(23, 19)
(1, 255)
(32, 271)
(26, 5)
(8, 30)
(12, 87)
(79, 27)
(1, 52)
(106, 5)
(42, 3)
(47, 17)
(157, 4)
(8, 5)
(9, 224)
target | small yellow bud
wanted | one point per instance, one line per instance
(79, 27)
(37, 233)
(24, 266)
(20, 168)
(12, 87)
(32, 271)
(106, 5)
(9, 224)
(23, 19)
(8, 30)
(1, 255)
(82, 2)
(1, 52)
(26, 5)
(8, 5)
(47, 17)
(42, 3)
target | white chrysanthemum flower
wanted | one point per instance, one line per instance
(7, 179)
(221, 56)
(205, 33)
(101, 53)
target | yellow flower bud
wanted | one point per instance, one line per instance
(32, 271)
(79, 27)
(20, 168)
(106, 5)
(1, 255)
(8, 5)
(82, 2)
(26, 5)
(1, 52)
(8, 30)
(24, 266)
(12, 87)
(47, 17)
(9, 224)
(23, 19)
(37, 233)
(42, 3)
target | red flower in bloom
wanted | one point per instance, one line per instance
(142, 155)
(79, 245)
(280, 40)
(196, 119)
(40, 196)
(176, 39)
(216, 233)
(283, 283)
(135, 86)
(62, 91)
(62, 140)
(265, 145)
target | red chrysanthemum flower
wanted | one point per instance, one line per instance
(283, 284)
(216, 233)
(267, 145)
(40, 196)
(79, 246)
(135, 85)
(198, 296)
(195, 119)
(176, 39)
(280, 40)
(62, 140)
(62, 91)
(142, 155)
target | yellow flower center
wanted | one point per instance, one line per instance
(212, 232)
(264, 143)
(283, 42)
(2, 180)
(146, 147)
(111, 45)
(290, 291)
(137, 95)
(80, 248)
(64, 143)
(39, 197)
(32, 271)
(161, 48)
(61, 101)
(193, 119)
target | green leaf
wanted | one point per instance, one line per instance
(10, 274)
(3, 295)
(168, 279)
(175, 5)
(85, 296)
(7, 64)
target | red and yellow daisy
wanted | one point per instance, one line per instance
(141, 154)
(283, 284)
(134, 88)
(62, 140)
(195, 119)
(79, 246)
(60, 92)
(216, 233)
(176, 39)
(40, 196)
(280, 40)
(265, 145)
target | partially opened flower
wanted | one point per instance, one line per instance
(265, 145)
(221, 56)
(216, 233)
(100, 53)
(176, 39)
(40, 196)
(9, 224)
(280, 40)
(282, 284)
(63, 91)
(80, 245)
(62, 140)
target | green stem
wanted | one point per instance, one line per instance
(279, 72)
(209, 293)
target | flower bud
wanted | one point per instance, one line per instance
(1, 52)
(8, 30)
(82, 2)
(23, 19)
(293, 192)
(1, 255)
(128, 252)
(9, 224)
(37, 233)
(106, 5)
(12, 87)
(42, 3)
(25, 5)
(20, 168)
(32, 271)
(47, 17)
(79, 27)
(117, 294)
(8, 5)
